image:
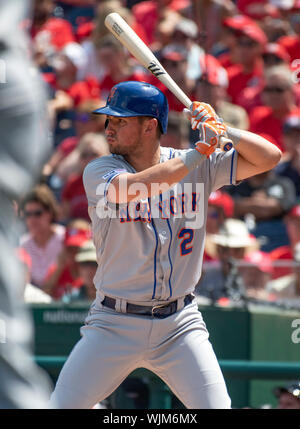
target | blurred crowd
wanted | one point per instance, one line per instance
(242, 57)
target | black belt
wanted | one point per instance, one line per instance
(159, 311)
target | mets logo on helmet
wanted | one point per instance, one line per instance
(111, 94)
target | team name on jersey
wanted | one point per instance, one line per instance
(174, 206)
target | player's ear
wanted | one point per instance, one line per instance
(151, 125)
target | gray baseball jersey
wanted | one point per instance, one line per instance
(152, 250)
(148, 251)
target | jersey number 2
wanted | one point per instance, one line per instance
(185, 245)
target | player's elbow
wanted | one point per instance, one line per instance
(274, 157)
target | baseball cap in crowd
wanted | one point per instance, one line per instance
(261, 260)
(292, 122)
(179, 4)
(222, 200)
(212, 71)
(293, 388)
(174, 52)
(234, 234)
(76, 237)
(187, 27)
(244, 25)
(86, 253)
(296, 5)
(276, 50)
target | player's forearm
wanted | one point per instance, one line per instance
(254, 149)
(152, 181)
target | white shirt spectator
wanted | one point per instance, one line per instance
(43, 257)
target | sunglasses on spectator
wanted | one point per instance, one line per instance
(247, 43)
(33, 213)
(271, 59)
(276, 89)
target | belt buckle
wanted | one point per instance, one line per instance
(155, 307)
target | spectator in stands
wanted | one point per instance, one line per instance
(69, 92)
(63, 275)
(185, 34)
(65, 158)
(258, 9)
(220, 207)
(248, 71)
(211, 86)
(49, 34)
(256, 271)
(288, 396)
(44, 240)
(32, 294)
(174, 60)
(74, 202)
(205, 12)
(268, 198)
(117, 63)
(150, 14)
(230, 245)
(87, 266)
(177, 133)
(283, 255)
(292, 42)
(289, 286)
(278, 98)
(94, 65)
(273, 55)
(290, 166)
(230, 28)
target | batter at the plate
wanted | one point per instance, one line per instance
(148, 208)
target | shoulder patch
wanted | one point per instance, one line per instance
(112, 173)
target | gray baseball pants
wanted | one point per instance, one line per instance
(113, 344)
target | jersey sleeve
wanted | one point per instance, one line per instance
(97, 176)
(222, 169)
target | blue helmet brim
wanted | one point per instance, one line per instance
(117, 112)
(121, 113)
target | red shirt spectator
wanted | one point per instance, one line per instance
(56, 32)
(239, 81)
(262, 118)
(292, 45)
(258, 9)
(63, 275)
(74, 193)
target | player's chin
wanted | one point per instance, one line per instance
(116, 150)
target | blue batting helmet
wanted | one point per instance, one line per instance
(133, 98)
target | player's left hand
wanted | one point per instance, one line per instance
(203, 113)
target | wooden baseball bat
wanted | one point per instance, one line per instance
(125, 34)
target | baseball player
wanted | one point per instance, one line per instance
(148, 208)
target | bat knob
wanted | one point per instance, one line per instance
(227, 146)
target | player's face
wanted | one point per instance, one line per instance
(123, 135)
